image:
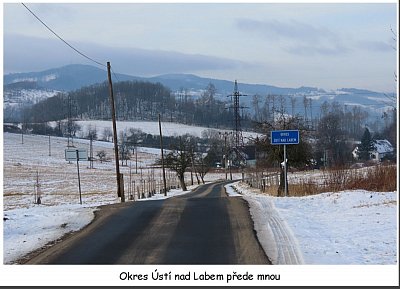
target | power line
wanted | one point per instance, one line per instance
(114, 74)
(59, 37)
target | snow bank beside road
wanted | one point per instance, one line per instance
(350, 227)
(345, 228)
(273, 233)
(26, 230)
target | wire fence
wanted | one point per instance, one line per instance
(378, 177)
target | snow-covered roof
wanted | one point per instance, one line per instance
(383, 146)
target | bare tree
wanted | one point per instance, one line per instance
(310, 105)
(293, 102)
(256, 105)
(102, 155)
(203, 163)
(305, 103)
(179, 159)
(299, 155)
(91, 132)
(125, 148)
(107, 134)
(332, 139)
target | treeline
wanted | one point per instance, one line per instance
(136, 137)
(134, 100)
(352, 118)
(330, 139)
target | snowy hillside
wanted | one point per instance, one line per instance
(66, 78)
(25, 97)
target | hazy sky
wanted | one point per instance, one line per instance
(306, 44)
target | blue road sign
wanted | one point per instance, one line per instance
(285, 137)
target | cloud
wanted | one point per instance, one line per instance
(291, 30)
(296, 37)
(23, 53)
(308, 50)
(150, 62)
(375, 46)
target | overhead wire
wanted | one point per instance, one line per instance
(112, 71)
(68, 44)
(59, 37)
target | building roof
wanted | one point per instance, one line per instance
(383, 146)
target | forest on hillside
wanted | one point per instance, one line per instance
(134, 100)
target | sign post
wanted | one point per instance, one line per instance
(285, 137)
(77, 155)
(285, 169)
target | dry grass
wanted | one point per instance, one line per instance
(379, 178)
(304, 189)
(271, 190)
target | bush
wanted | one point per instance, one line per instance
(380, 178)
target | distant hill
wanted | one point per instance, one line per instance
(73, 77)
(22, 85)
(66, 78)
(225, 87)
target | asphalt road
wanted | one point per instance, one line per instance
(202, 227)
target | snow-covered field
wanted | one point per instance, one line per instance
(29, 163)
(152, 127)
(345, 228)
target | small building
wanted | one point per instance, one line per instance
(13, 128)
(383, 148)
(242, 157)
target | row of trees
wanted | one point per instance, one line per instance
(266, 108)
(143, 101)
(135, 100)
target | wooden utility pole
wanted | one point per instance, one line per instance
(49, 147)
(91, 151)
(79, 177)
(225, 134)
(225, 157)
(162, 156)
(130, 181)
(37, 190)
(136, 153)
(119, 191)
